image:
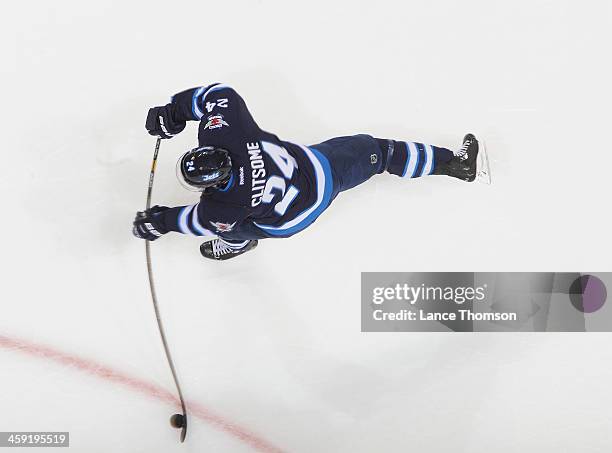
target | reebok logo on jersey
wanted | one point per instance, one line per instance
(223, 227)
(215, 122)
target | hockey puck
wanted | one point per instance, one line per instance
(177, 421)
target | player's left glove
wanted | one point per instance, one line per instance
(147, 224)
(163, 122)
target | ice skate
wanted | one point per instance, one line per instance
(469, 162)
(220, 250)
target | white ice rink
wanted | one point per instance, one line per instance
(270, 355)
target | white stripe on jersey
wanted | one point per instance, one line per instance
(196, 110)
(199, 114)
(182, 220)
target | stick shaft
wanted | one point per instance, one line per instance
(160, 325)
(152, 174)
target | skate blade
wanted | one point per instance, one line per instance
(483, 169)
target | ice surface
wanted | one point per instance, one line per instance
(271, 356)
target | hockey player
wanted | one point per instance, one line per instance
(254, 185)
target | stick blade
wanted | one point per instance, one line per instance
(184, 431)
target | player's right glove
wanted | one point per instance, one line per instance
(147, 224)
(163, 122)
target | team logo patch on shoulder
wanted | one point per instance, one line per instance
(223, 227)
(215, 122)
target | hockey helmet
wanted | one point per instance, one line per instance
(204, 167)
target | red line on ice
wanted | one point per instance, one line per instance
(154, 391)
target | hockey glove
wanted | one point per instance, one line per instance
(163, 122)
(147, 224)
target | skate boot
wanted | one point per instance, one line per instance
(218, 249)
(464, 163)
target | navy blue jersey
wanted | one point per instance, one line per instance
(276, 188)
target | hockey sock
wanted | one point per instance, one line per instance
(413, 159)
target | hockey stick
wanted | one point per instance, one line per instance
(176, 420)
